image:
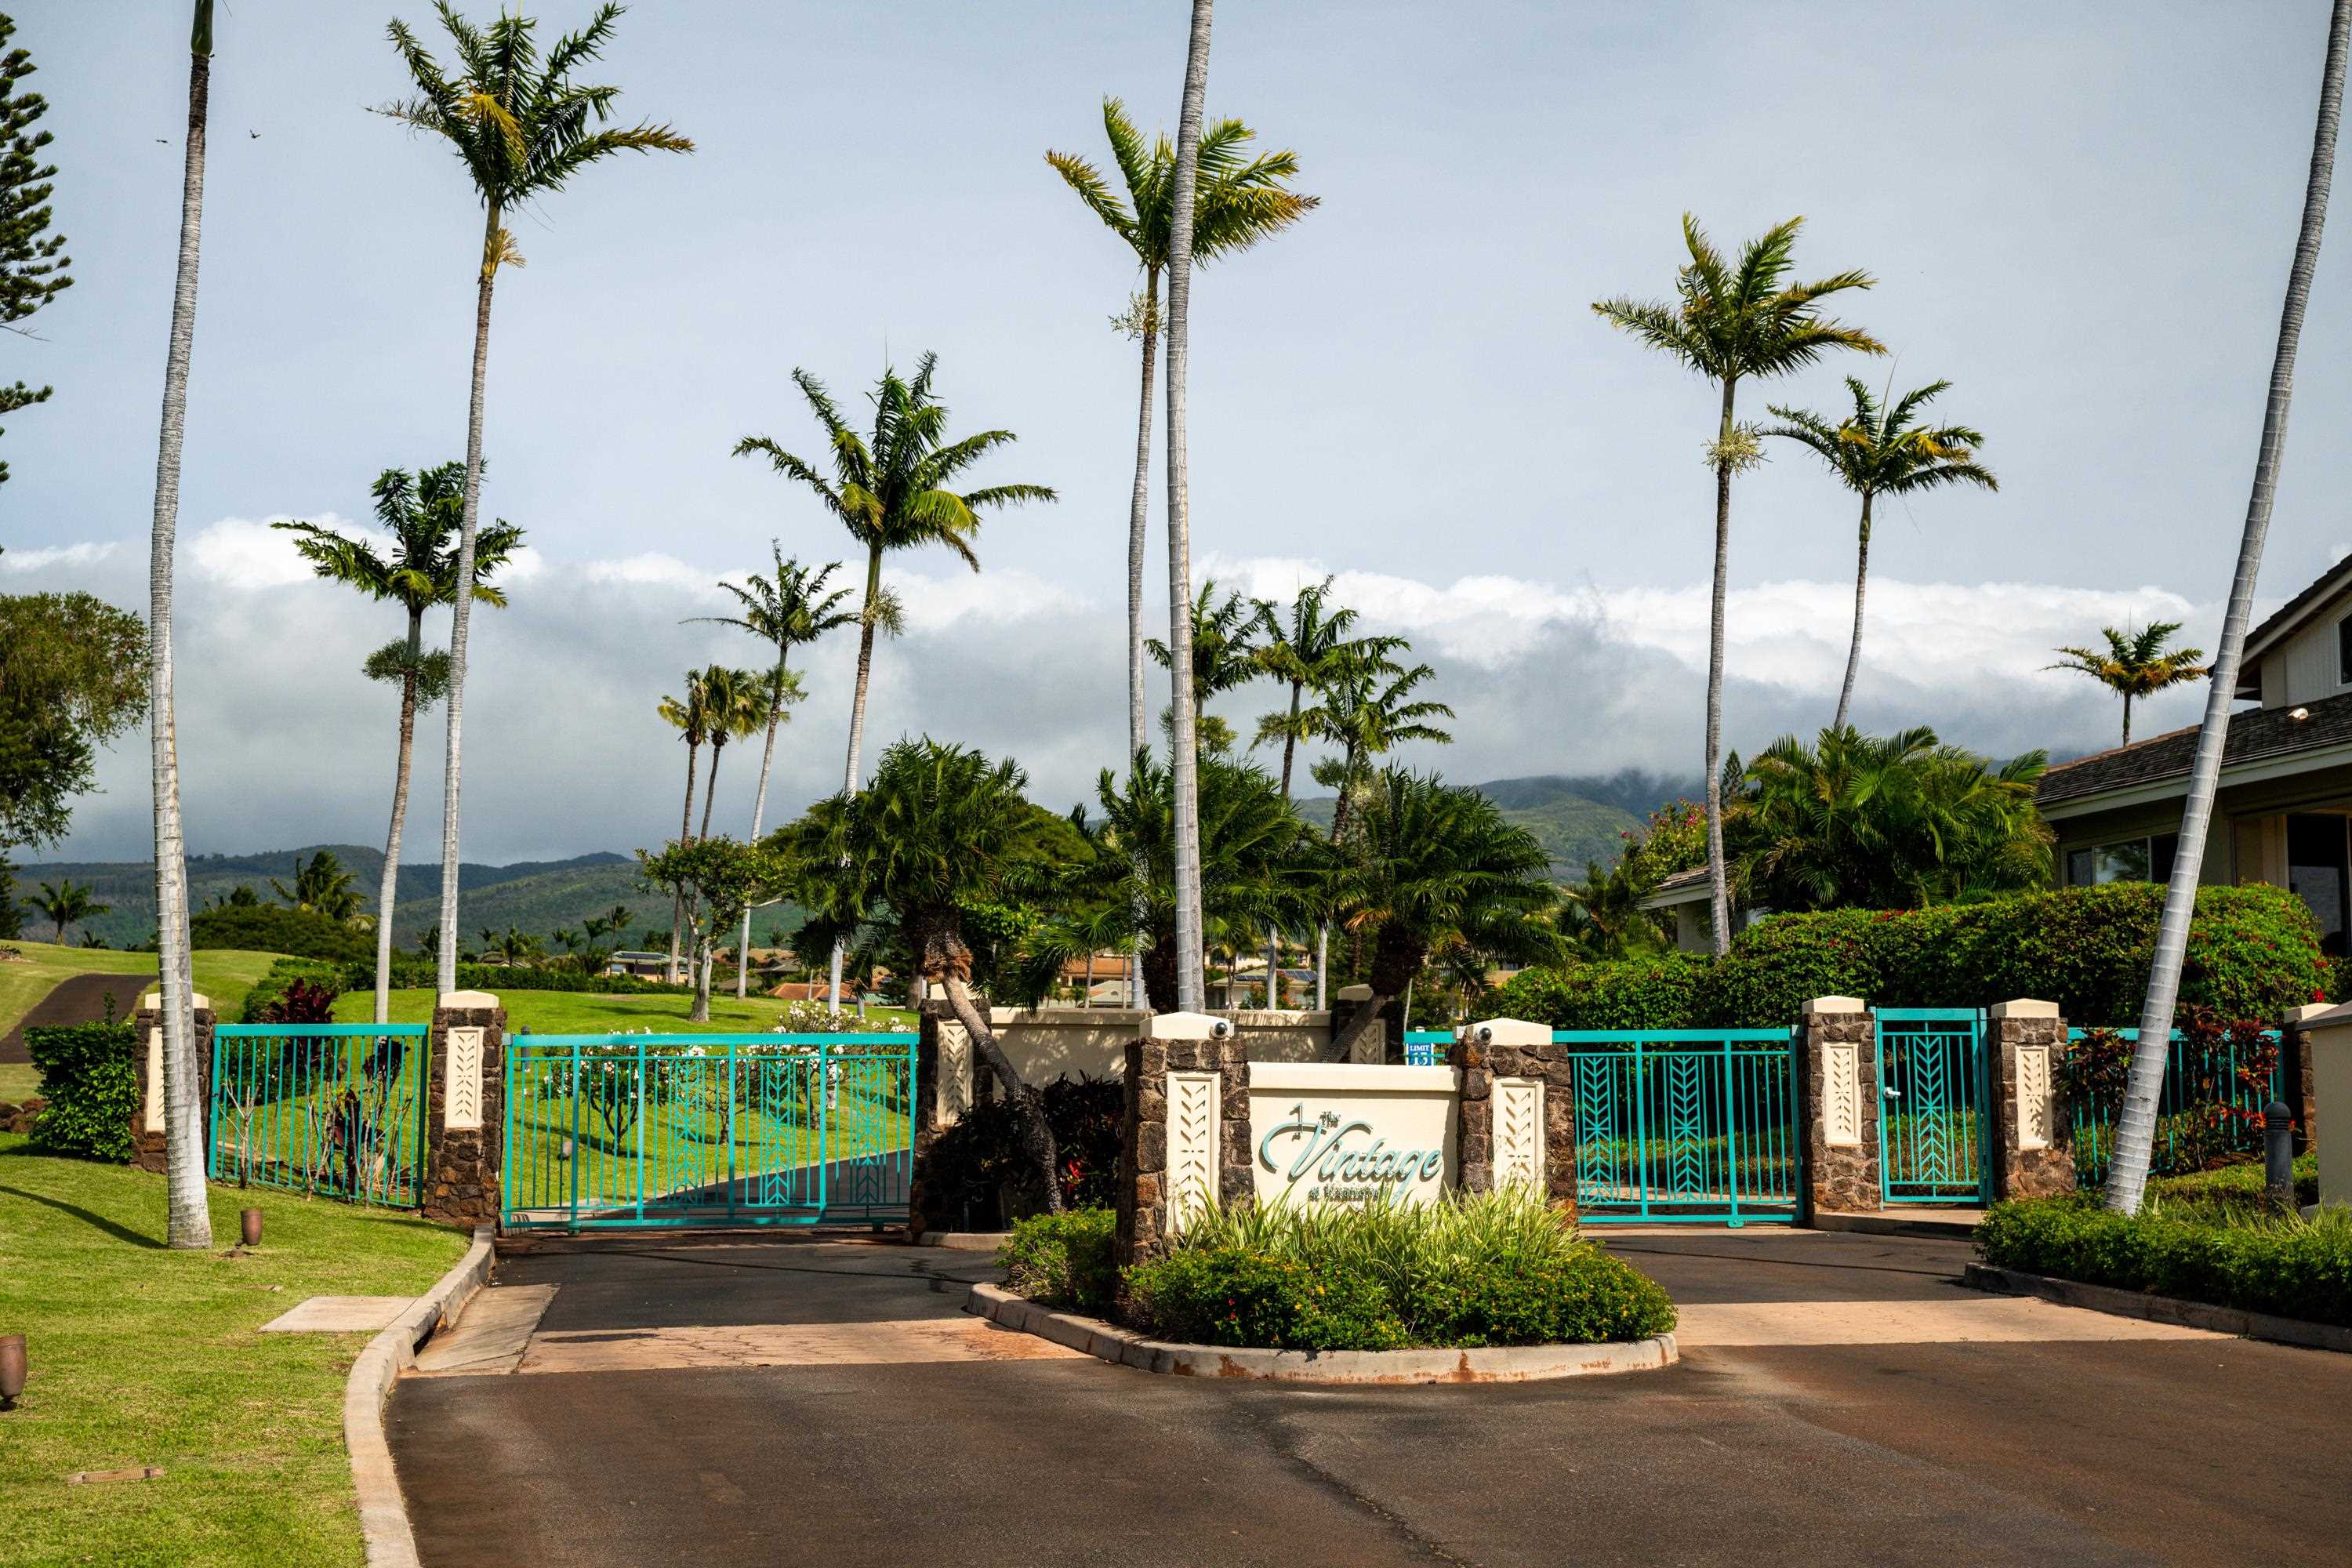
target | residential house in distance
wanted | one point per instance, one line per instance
(2286, 799)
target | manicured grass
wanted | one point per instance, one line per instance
(19, 1082)
(143, 1356)
(224, 975)
(593, 1013)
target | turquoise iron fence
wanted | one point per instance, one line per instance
(1685, 1125)
(2210, 1104)
(331, 1109)
(622, 1130)
(1933, 1129)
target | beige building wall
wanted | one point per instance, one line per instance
(1091, 1042)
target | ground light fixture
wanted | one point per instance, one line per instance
(11, 1370)
(248, 1226)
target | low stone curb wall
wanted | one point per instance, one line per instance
(383, 1513)
(1503, 1363)
(964, 1240)
(2158, 1308)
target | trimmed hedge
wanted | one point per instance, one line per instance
(2253, 951)
(92, 1087)
(1064, 1260)
(2292, 1267)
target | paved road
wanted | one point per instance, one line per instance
(76, 999)
(884, 1428)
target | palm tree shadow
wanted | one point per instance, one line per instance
(95, 1221)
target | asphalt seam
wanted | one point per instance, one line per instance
(1276, 1434)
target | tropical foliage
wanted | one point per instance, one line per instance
(2135, 664)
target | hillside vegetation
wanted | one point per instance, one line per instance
(1576, 819)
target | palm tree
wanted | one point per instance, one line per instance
(2136, 1127)
(789, 610)
(1184, 748)
(891, 492)
(1224, 656)
(736, 702)
(1879, 451)
(522, 128)
(188, 1220)
(321, 887)
(691, 718)
(424, 513)
(1237, 202)
(2135, 664)
(66, 905)
(1732, 324)
(940, 830)
(1439, 866)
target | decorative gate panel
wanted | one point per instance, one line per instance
(336, 1110)
(1934, 1120)
(607, 1130)
(1695, 1125)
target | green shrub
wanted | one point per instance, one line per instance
(2211, 1250)
(92, 1085)
(2253, 951)
(272, 927)
(981, 1164)
(1620, 993)
(2241, 1182)
(270, 992)
(1064, 1260)
(1491, 1270)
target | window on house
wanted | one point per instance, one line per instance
(2343, 652)
(2126, 860)
(2316, 873)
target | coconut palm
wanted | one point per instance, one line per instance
(1439, 865)
(1732, 323)
(2135, 664)
(188, 1220)
(68, 905)
(321, 887)
(522, 128)
(941, 829)
(2136, 1127)
(1238, 201)
(690, 716)
(1882, 450)
(424, 513)
(736, 704)
(1225, 654)
(786, 611)
(891, 493)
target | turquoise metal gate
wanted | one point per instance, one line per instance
(637, 1130)
(1692, 1125)
(1934, 1129)
(336, 1110)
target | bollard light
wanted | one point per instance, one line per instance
(2278, 1155)
(11, 1370)
(248, 1226)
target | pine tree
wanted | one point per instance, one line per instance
(31, 261)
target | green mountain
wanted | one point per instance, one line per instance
(1576, 819)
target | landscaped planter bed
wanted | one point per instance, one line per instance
(1492, 1363)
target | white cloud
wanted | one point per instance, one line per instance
(87, 554)
(237, 553)
(650, 568)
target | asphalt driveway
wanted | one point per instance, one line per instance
(791, 1401)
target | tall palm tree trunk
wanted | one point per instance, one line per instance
(709, 945)
(2127, 718)
(188, 1218)
(1138, 517)
(857, 720)
(1860, 584)
(711, 784)
(758, 815)
(1718, 904)
(2135, 1128)
(1274, 935)
(1185, 762)
(678, 900)
(388, 889)
(460, 613)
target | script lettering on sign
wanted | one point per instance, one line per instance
(1331, 1158)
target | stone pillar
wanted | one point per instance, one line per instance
(2033, 1147)
(943, 1092)
(147, 1138)
(2295, 1055)
(1836, 1046)
(1184, 1141)
(2331, 1097)
(1517, 1111)
(466, 1110)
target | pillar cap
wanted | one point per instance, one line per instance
(1836, 1005)
(154, 1001)
(1509, 1032)
(1186, 1026)
(466, 1001)
(2308, 1011)
(1358, 993)
(2023, 1007)
(2331, 1018)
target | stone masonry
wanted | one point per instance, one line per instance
(147, 1137)
(2035, 1128)
(1512, 1048)
(464, 1166)
(2295, 1055)
(1188, 1044)
(1837, 1086)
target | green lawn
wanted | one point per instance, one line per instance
(590, 1013)
(141, 1356)
(224, 975)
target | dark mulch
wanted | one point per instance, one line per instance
(78, 1000)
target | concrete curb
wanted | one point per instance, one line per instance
(1506, 1364)
(2158, 1308)
(1896, 1224)
(383, 1513)
(964, 1240)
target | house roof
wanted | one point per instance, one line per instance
(1690, 887)
(2260, 732)
(2328, 585)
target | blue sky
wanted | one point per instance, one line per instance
(2079, 213)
